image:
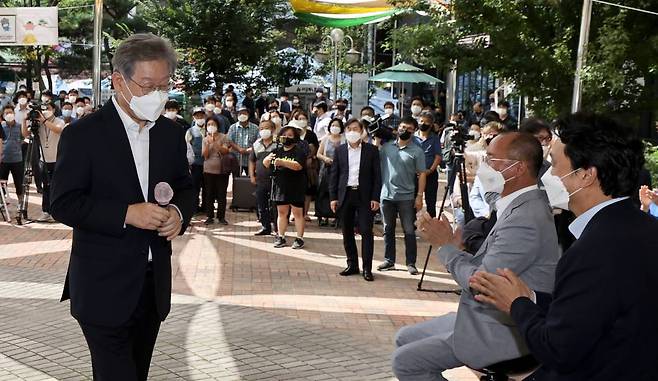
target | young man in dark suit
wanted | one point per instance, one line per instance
(600, 321)
(108, 165)
(354, 187)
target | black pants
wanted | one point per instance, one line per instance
(263, 191)
(354, 208)
(16, 170)
(197, 180)
(124, 352)
(431, 189)
(37, 170)
(47, 175)
(216, 186)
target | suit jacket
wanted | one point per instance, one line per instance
(523, 240)
(94, 181)
(601, 321)
(370, 178)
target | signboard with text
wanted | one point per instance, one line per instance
(28, 26)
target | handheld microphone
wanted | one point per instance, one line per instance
(163, 194)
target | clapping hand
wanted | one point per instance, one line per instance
(647, 196)
(500, 290)
(436, 231)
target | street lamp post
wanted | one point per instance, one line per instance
(337, 36)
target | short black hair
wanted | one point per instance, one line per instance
(67, 104)
(409, 120)
(85, 99)
(389, 103)
(289, 127)
(593, 140)
(7, 107)
(355, 120)
(504, 104)
(172, 103)
(417, 98)
(535, 125)
(215, 119)
(19, 94)
(340, 123)
(490, 116)
(525, 147)
(427, 114)
(368, 108)
(322, 105)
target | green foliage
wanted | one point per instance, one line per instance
(651, 161)
(285, 67)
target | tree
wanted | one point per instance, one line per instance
(285, 67)
(534, 43)
(220, 41)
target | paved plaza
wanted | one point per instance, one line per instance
(242, 310)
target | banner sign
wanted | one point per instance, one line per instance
(28, 26)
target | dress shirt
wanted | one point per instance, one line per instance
(139, 145)
(504, 202)
(354, 163)
(321, 127)
(579, 224)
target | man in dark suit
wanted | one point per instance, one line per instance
(354, 187)
(108, 165)
(600, 321)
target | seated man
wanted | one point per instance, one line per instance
(523, 239)
(600, 322)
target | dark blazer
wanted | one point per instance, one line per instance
(370, 178)
(601, 322)
(94, 181)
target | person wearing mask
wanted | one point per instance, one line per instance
(322, 119)
(242, 136)
(172, 111)
(417, 105)
(506, 119)
(286, 107)
(215, 178)
(61, 98)
(260, 176)
(326, 155)
(50, 130)
(194, 137)
(367, 118)
(262, 103)
(224, 122)
(287, 164)
(355, 187)
(12, 153)
(46, 96)
(80, 110)
(276, 118)
(230, 111)
(310, 140)
(319, 96)
(4, 98)
(523, 239)
(341, 110)
(67, 113)
(296, 104)
(473, 144)
(248, 103)
(476, 114)
(589, 327)
(209, 107)
(21, 110)
(403, 162)
(390, 119)
(72, 96)
(431, 146)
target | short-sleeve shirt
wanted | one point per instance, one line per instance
(50, 140)
(399, 168)
(289, 185)
(257, 156)
(431, 146)
(213, 164)
(244, 137)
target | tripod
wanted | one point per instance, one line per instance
(23, 201)
(4, 209)
(457, 171)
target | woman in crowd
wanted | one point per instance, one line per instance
(215, 145)
(194, 137)
(289, 176)
(326, 152)
(310, 143)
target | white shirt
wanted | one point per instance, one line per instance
(321, 128)
(504, 202)
(354, 163)
(50, 139)
(579, 224)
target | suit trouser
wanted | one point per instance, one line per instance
(263, 190)
(124, 352)
(352, 206)
(424, 350)
(35, 162)
(49, 168)
(17, 172)
(407, 211)
(197, 179)
(431, 190)
(216, 188)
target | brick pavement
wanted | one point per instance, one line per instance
(242, 309)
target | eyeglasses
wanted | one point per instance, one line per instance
(490, 160)
(147, 89)
(544, 138)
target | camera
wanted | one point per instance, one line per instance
(34, 114)
(459, 139)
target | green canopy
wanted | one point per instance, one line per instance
(404, 73)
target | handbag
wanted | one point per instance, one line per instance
(228, 164)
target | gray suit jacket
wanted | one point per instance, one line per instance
(523, 240)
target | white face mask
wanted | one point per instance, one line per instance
(212, 129)
(80, 111)
(558, 195)
(72, 98)
(265, 134)
(9, 117)
(492, 180)
(22, 101)
(303, 123)
(502, 111)
(276, 120)
(200, 122)
(47, 114)
(547, 151)
(352, 136)
(334, 130)
(171, 115)
(388, 111)
(67, 113)
(44, 99)
(229, 103)
(210, 107)
(476, 135)
(318, 94)
(416, 110)
(217, 110)
(243, 118)
(147, 107)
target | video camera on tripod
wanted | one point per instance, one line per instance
(33, 117)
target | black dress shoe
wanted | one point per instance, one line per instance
(263, 232)
(367, 275)
(350, 271)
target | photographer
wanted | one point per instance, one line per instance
(12, 154)
(288, 165)
(49, 130)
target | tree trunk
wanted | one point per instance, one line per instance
(108, 53)
(46, 70)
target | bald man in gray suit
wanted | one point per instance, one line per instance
(523, 240)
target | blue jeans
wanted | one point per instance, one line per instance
(407, 212)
